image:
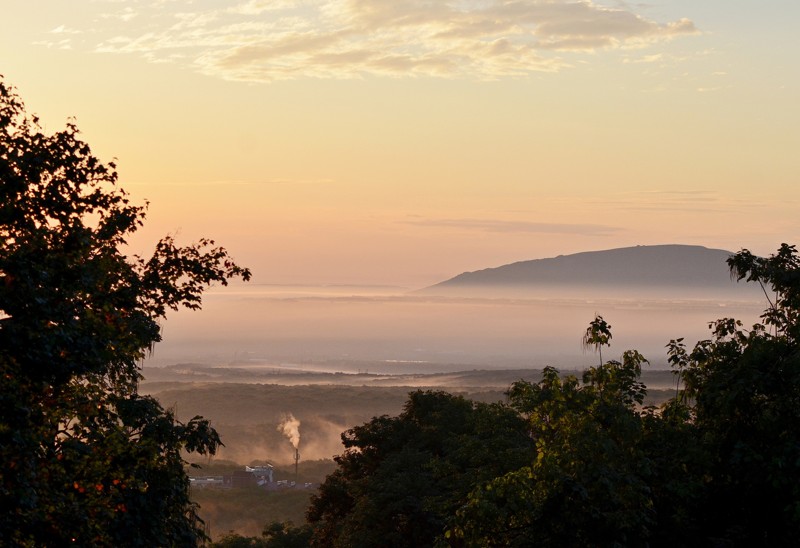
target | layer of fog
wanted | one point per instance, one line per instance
(389, 330)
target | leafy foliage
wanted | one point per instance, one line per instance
(745, 389)
(85, 459)
(716, 465)
(719, 464)
(597, 335)
(588, 483)
(402, 478)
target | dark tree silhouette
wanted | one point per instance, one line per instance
(401, 479)
(84, 459)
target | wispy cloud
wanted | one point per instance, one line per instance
(63, 29)
(233, 182)
(125, 14)
(496, 225)
(654, 58)
(261, 41)
(680, 201)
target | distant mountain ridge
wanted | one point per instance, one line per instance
(640, 267)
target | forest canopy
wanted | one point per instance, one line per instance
(581, 462)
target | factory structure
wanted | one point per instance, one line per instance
(260, 476)
(251, 476)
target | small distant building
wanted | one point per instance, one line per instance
(251, 476)
(263, 474)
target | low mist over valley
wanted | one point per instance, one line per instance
(525, 315)
(249, 408)
(334, 357)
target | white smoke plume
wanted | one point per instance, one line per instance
(290, 427)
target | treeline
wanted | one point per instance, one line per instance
(581, 462)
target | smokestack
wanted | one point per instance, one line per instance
(290, 427)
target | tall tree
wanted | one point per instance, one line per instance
(718, 465)
(743, 388)
(401, 479)
(587, 481)
(84, 459)
(597, 335)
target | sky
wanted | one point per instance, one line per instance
(402, 143)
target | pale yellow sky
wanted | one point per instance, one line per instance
(357, 141)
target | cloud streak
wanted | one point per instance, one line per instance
(496, 225)
(263, 41)
(680, 201)
(237, 183)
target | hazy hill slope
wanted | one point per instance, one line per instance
(641, 266)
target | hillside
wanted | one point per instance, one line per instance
(681, 268)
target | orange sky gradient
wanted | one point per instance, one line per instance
(372, 142)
